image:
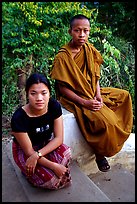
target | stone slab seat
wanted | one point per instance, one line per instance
(81, 150)
(73, 136)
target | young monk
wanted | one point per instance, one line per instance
(104, 115)
(37, 127)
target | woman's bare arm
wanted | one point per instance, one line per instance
(25, 142)
(58, 137)
(52, 145)
(33, 157)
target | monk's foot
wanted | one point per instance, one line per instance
(103, 164)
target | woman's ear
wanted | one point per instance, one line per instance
(69, 31)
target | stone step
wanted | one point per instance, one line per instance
(81, 190)
(118, 184)
(12, 190)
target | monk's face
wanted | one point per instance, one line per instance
(80, 31)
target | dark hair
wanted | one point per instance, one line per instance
(36, 78)
(78, 16)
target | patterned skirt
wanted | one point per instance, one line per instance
(44, 177)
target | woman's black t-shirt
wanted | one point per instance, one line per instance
(39, 128)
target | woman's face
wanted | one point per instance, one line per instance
(38, 96)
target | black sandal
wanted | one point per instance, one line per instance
(103, 165)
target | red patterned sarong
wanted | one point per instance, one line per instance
(45, 177)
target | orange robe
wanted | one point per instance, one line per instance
(105, 130)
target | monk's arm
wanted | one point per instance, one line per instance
(91, 104)
(69, 94)
(98, 94)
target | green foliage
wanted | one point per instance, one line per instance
(119, 16)
(39, 29)
(9, 96)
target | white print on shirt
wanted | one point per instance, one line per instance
(42, 129)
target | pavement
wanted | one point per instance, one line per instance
(117, 185)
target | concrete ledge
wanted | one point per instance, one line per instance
(126, 157)
(73, 136)
(83, 153)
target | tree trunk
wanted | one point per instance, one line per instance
(23, 74)
(21, 86)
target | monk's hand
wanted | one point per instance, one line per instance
(93, 104)
(99, 98)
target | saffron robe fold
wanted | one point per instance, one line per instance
(105, 130)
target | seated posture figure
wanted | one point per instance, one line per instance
(37, 146)
(104, 115)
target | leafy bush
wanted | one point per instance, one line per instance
(33, 32)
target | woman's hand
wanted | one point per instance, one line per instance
(31, 164)
(59, 169)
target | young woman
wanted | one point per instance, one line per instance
(38, 147)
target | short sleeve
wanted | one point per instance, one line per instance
(18, 121)
(55, 107)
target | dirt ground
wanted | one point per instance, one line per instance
(6, 130)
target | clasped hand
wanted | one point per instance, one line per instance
(59, 169)
(94, 104)
(31, 164)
